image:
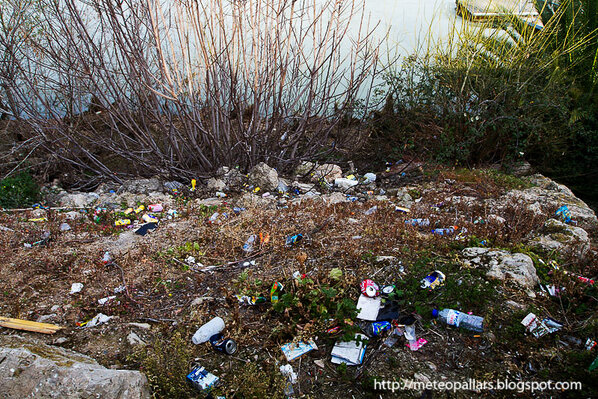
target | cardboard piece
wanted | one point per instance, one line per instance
(368, 308)
(294, 350)
(350, 353)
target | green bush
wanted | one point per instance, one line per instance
(18, 191)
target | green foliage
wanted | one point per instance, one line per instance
(500, 96)
(19, 190)
(315, 304)
(166, 362)
(253, 381)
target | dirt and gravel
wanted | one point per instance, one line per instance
(162, 297)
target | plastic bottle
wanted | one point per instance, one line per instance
(208, 330)
(418, 222)
(459, 319)
(248, 246)
(445, 232)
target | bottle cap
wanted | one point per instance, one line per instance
(435, 313)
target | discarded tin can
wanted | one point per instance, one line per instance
(224, 345)
(149, 219)
(433, 280)
(201, 379)
(387, 290)
(251, 300)
(334, 330)
(122, 222)
(129, 211)
(141, 208)
(292, 240)
(238, 210)
(155, 208)
(275, 291)
(376, 328)
(590, 344)
(402, 209)
(369, 288)
(107, 258)
(193, 184)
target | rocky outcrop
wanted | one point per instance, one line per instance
(562, 237)
(545, 197)
(503, 265)
(31, 369)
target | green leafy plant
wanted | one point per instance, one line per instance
(19, 190)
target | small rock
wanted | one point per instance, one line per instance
(264, 177)
(78, 200)
(134, 339)
(345, 184)
(60, 341)
(144, 326)
(210, 201)
(76, 287)
(38, 213)
(559, 236)
(199, 301)
(64, 227)
(320, 363)
(304, 168)
(55, 372)
(329, 172)
(216, 184)
(502, 265)
(46, 317)
(515, 305)
(334, 198)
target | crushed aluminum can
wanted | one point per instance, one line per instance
(376, 328)
(387, 289)
(251, 300)
(433, 280)
(275, 291)
(334, 330)
(590, 344)
(202, 379)
(155, 208)
(369, 288)
(540, 328)
(149, 219)
(122, 222)
(224, 345)
(292, 240)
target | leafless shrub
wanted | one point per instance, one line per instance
(179, 87)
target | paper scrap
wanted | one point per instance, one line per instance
(368, 308)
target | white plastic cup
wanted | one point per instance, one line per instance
(212, 327)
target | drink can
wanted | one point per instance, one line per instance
(224, 345)
(369, 288)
